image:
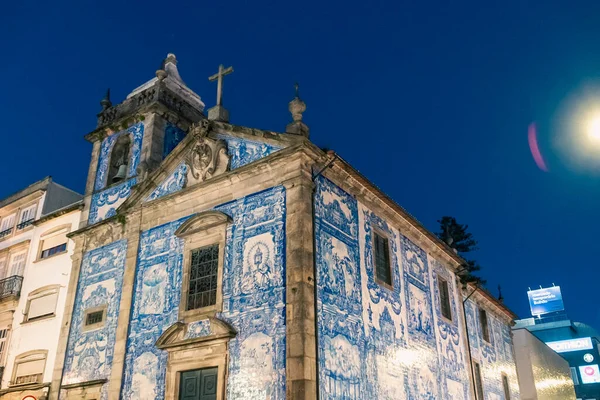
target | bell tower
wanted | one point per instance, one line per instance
(133, 137)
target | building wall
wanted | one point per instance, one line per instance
(376, 342)
(42, 334)
(89, 354)
(543, 374)
(495, 357)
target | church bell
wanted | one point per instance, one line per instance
(121, 173)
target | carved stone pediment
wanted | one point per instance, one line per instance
(208, 157)
(202, 221)
(182, 334)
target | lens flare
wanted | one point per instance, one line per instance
(535, 149)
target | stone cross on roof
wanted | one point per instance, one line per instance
(219, 78)
(218, 112)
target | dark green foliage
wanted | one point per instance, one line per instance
(458, 238)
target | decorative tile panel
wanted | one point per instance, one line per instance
(137, 134)
(495, 357)
(198, 329)
(253, 301)
(173, 135)
(174, 183)
(89, 354)
(155, 306)
(104, 204)
(376, 341)
(244, 151)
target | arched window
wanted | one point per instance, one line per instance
(119, 160)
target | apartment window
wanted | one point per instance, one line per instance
(574, 376)
(3, 267)
(202, 290)
(6, 225)
(41, 303)
(506, 387)
(478, 381)
(3, 339)
(94, 318)
(27, 216)
(383, 271)
(483, 322)
(54, 242)
(29, 368)
(444, 298)
(17, 264)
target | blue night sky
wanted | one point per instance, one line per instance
(430, 101)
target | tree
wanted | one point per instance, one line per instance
(458, 238)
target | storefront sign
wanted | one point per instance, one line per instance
(564, 346)
(589, 373)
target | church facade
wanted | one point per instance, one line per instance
(217, 261)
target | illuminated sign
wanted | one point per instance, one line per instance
(564, 346)
(588, 357)
(544, 301)
(589, 373)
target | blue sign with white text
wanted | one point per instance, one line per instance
(544, 301)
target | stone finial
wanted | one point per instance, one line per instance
(105, 102)
(500, 297)
(297, 107)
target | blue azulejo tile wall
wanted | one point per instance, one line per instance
(376, 341)
(496, 356)
(244, 151)
(253, 301)
(89, 353)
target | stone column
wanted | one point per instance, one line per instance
(301, 360)
(132, 234)
(61, 349)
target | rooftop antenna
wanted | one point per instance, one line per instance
(553, 284)
(529, 287)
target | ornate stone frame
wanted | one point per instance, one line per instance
(187, 353)
(203, 229)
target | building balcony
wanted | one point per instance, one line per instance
(11, 286)
(25, 224)
(6, 232)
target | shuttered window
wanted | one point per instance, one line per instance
(444, 298)
(17, 264)
(54, 244)
(3, 337)
(42, 304)
(7, 223)
(383, 271)
(3, 268)
(29, 369)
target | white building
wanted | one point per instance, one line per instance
(35, 266)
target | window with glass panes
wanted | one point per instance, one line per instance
(478, 381)
(383, 272)
(506, 387)
(483, 322)
(202, 290)
(444, 298)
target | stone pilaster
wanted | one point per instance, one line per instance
(91, 178)
(132, 234)
(61, 349)
(153, 142)
(301, 367)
